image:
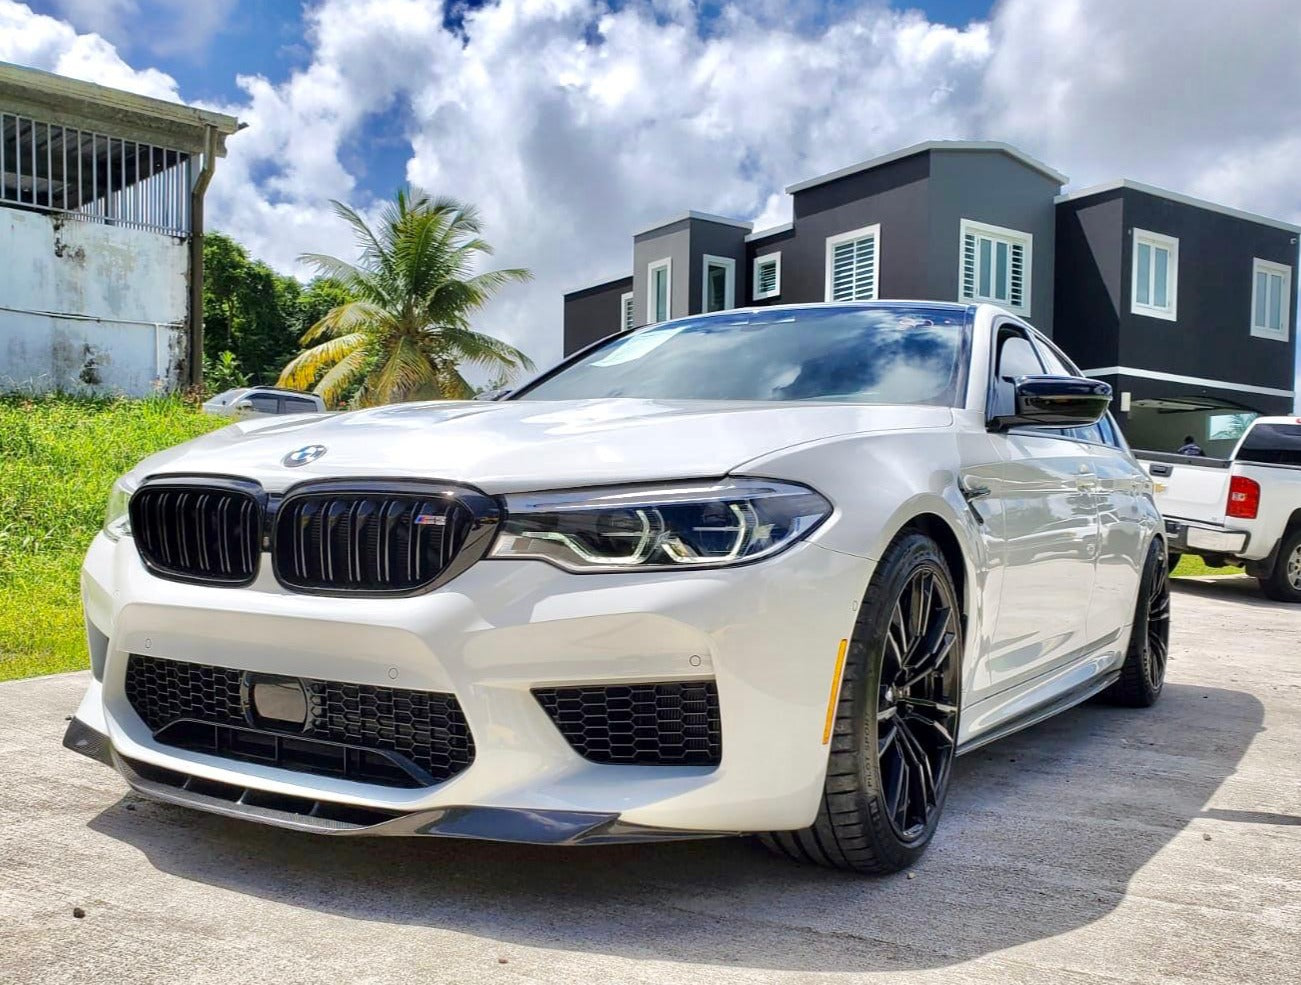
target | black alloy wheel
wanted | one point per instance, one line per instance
(895, 725)
(917, 710)
(1142, 676)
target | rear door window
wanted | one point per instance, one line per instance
(265, 403)
(299, 405)
(1272, 444)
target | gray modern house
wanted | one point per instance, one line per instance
(1185, 306)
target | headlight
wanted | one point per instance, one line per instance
(117, 522)
(644, 528)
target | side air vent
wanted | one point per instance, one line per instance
(201, 530)
(668, 723)
(378, 539)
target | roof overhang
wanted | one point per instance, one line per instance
(1199, 203)
(86, 106)
(925, 147)
(721, 220)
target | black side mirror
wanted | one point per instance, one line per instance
(1055, 401)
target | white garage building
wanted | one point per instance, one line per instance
(101, 222)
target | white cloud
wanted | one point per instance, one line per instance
(36, 40)
(567, 146)
(163, 27)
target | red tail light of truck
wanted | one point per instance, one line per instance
(1244, 498)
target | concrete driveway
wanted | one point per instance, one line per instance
(1103, 846)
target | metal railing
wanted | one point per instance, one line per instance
(93, 176)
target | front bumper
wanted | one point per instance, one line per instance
(1187, 536)
(519, 825)
(766, 633)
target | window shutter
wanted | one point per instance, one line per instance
(968, 266)
(767, 278)
(1016, 291)
(628, 312)
(853, 270)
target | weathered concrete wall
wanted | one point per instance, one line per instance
(90, 307)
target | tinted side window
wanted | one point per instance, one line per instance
(1016, 357)
(1092, 432)
(264, 403)
(1055, 366)
(1056, 361)
(299, 405)
(1272, 444)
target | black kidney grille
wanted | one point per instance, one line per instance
(199, 533)
(367, 542)
(382, 735)
(675, 722)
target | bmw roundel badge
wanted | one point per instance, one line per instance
(308, 453)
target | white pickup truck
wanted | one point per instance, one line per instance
(1244, 509)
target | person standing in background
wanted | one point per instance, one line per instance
(1190, 447)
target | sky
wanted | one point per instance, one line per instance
(570, 123)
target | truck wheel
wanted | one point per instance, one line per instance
(1284, 582)
(896, 720)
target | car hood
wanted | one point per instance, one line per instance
(527, 445)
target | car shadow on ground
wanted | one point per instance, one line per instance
(1239, 589)
(1042, 834)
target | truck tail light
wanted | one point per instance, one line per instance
(1244, 498)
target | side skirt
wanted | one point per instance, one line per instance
(1034, 716)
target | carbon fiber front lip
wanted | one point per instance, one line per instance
(507, 824)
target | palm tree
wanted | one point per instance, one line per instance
(407, 330)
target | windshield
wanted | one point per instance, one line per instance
(898, 354)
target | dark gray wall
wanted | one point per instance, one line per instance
(1212, 336)
(720, 240)
(993, 188)
(895, 195)
(593, 313)
(1090, 249)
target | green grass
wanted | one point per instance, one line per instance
(58, 457)
(1190, 565)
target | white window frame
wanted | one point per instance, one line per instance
(627, 312)
(1012, 237)
(667, 265)
(1156, 241)
(873, 231)
(1259, 266)
(776, 260)
(729, 285)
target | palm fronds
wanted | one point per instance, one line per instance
(415, 290)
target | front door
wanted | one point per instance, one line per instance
(1045, 490)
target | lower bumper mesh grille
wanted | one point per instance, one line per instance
(381, 735)
(668, 723)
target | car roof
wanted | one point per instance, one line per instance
(285, 391)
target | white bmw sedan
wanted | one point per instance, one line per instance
(762, 571)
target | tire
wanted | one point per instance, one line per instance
(1142, 676)
(1284, 582)
(880, 807)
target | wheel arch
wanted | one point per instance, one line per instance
(937, 529)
